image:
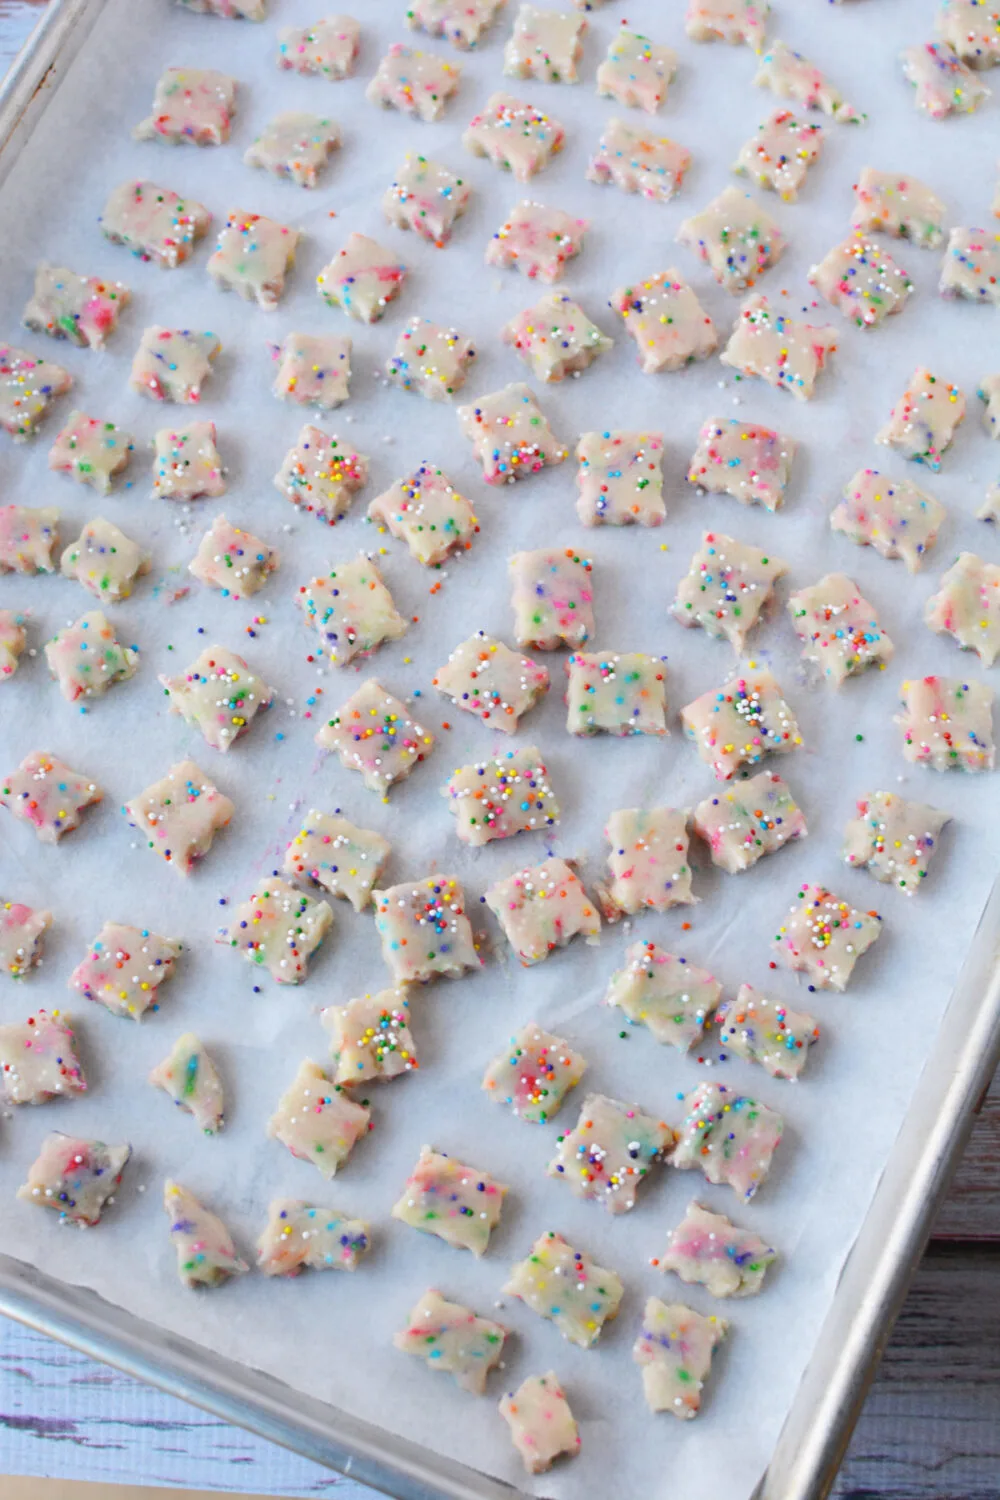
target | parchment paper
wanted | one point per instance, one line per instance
(328, 1334)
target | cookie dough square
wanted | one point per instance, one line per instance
(345, 860)
(862, 280)
(206, 1254)
(510, 434)
(726, 588)
(541, 908)
(87, 658)
(746, 719)
(779, 155)
(708, 1250)
(498, 798)
(455, 1202)
(38, 1059)
(28, 386)
(729, 1137)
(823, 937)
(124, 968)
(190, 1078)
(947, 723)
(427, 198)
(279, 929)
(252, 257)
(891, 515)
(314, 370)
(362, 279)
(370, 1036)
(838, 628)
(542, 1426)
(81, 309)
(971, 266)
(301, 1236)
(416, 83)
(555, 338)
(329, 48)
(22, 937)
(610, 1151)
(893, 203)
(76, 1177)
(463, 22)
(734, 21)
(46, 793)
(537, 241)
(27, 537)
(172, 364)
(533, 1076)
(637, 72)
(154, 222)
(648, 867)
(567, 1287)
(942, 81)
(317, 1121)
(674, 1351)
(967, 606)
(453, 1340)
(14, 637)
(792, 76)
(321, 475)
(374, 734)
(430, 359)
(91, 451)
(514, 136)
(785, 352)
(424, 929)
(427, 512)
(971, 28)
(767, 1032)
(186, 463)
(620, 479)
(545, 45)
(295, 145)
(351, 609)
(486, 678)
(751, 819)
(665, 993)
(742, 459)
(234, 561)
(191, 106)
(614, 693)
(219, 695)
(105, 561)
(638, 162)
(735, 237)
(180, 815)
(552, 598)
(668, 323)
(893, 839)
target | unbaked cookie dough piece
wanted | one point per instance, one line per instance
(87, 658)
(534, 1074)
(552, 598)
(171, 364)
(427, 198)
(154, 222)
(427, 512)
(416, 83)
(370, 1036)
(345, 860)
(824, 937)
(972, 28)
(620, 479)
(637, 72)
(363, 278)
(498, 798)
(186, 463)
(295, 145)
(729, 1137)
(838, 628)
(230, 10)
(615, 694)
(22, 934)
(90, 451)
(105, 561)
(942, 81)
(219, 695)
(668, 323)
(733, 21)
(321, 475)
(765, 1031)
(38, 1059)
(542, 908)
(971, 266)
(567, 1287)
(555, 338)
(925, 419)
(609, 1152)
(537, 241)
(726, 588)
(235, 562)
(779, 156)
(638, 162)
(989, 393)
(279, 929)
(742, 459)
(14, 637)
(893, 516)
(124, 968)
(751, 819)
(510, 434)
(191, 106)
(947, 723)
(545, 45)
(28, 386)
(674, 1350)
(735, 237)
(888, 203)
(76, 1177)
(792, 76)
(894, 839)
(301, 1236)
(486, 678)
(328, 47)
(785, 352)
(374, 734)
(707, 1250)
(82, 309)
(463, 22)
(252, 257)
(180, 815)
(648, 865)
(453, 1340)
(967, 606)
(515, 136)
(206, 1254)
(317, 1121)
(862, 280)
(351, 609)
(190, 1077)
(27, 537)
(424, 929)
(745, 720)
(47, 794)
(455, 1202)
(665, 993)
(542, 1427)
(431, 360)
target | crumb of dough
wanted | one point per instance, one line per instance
(514, 136)
(314, 369)
(542, 1426)
(427, 198)
(301, 1235)
(733, 21)
(317, 1121)
(510, 434)
(484, 677)
(748, 820)
(46, 793)
(86, 658)
(728, 1136)
(555, 338)
(668, 323)
(105, 561)
(295, 145)
(186, 463)
(374, 735)
(28, 386)
(552, 597)
(967, 606)
(498, 798)
(328, 47)
(838, 628)
(362, 279)
(648, 868)
(321, 475)
(351, 609)
(567, 1287)
(206, 1254)
(736, 238)
(792, 76)
(463, 22)
(779, 155)
(191, 106)
(426, 512)
(891, 515)
(726, 588)
(823, 937)
(219, 695)
(76, 1177)
(637, 71)
(947, 723)
(620, 479)
(903, 206)
(370, 1036)
(191, 1078)
(862, 280)
(742, 459)
(416, 83)
(542, 908)
(785, 352)
(430, 359)
(767, 1032)
(610, 1151)
(278, 929)
(13, 636)
(91, 451)
(22, 938)
(154, 222)
(707, 1249)
(971, 266)
(639, 162)
(38, 1058)
(252, 257)
(544, 46)
(665, 993)
(234, 561)
(925, 419)
(615, 693)
(453, 1340)
(942, 81)
(81, 309)
(345, 860)
(674, 1350)
(744, 720)
(172, 364)
(424, 929)
(457, 1203)
(27, 537)
(533, 1075)
(537, 241)
(893, 839)
(124, 968)
(180, 815)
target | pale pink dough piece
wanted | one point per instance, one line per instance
(484, 677)
(555, 338)
(733, 21)
(171, 364)
(638, 161)
(426, 197)
(180, 815)
(891, 515)
(967, 606)
(105, 561)
(22, 936)
(81, 309)
(823, 937)
(234, 561)
(191, 106)
(707, 1250)
(345, 860)
(537, 241)
(314, 370)
(766, 1031)
(674, 1350)
(430, 359)
(748, 820)
(351, 609)
(610, 1151)
(321, 475)
(370, 1036)
(424, 929)
(668, 323)
(728, 1136)
(252, 257)
(947, 723)
(186, 463)
(27, 537)
(893, 838)
(192, 1081)
(124, 968)
(206, 1254)
(510, 435)
(295, 145)
(971, 266)
(620, 479)
(91, 451)
(792, 76)
(533, 1074)
(942, 81)
(567, 1287)
(329, 48)
(648, 867)
(665, 993)
(362, 279)
(76, 1177)
(838, 628)
(86, 658)
(542, 908)
(746, 719)
(278, 929)
(28, 386)
(779, 155)
(458, 1203)
(742, 459)
(972, 27)
(514, 135)
(925, 419)
(463, 22)
(317, 1121)
(552, 598)
(453, 1340)
(38, 1060)
(786, 353)
(736, 238)
(498, 798)
(545, 45)
(154, 222)
(615, 693)
(373, 734)
(726, 588)
(416, 83)
(301, 1236)
(542, 1426)
(637, 71)
(862, 280)
(48, 794)
(219, 695)
(897, 204)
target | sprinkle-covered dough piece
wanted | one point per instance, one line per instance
(889, 203)
(86, 658)
(154, 222)
(767, 1032)
(91, 451)
(218, 694)
(726, 587)
(567, 1287)
(665, 993)
(329, 48)
(374, 734)
(947, 723)
(322, 475)
(370, 1036)
(13, 636)
(463, 22)
(317, 1121)
(838, 628)
(486, 678)
(427, 198)
(674, 1350)
(455, 1202)
(555, 338)
(925, 419)
(747, 821)
(510, 435)
(47, 794)
(494, 799)
(792, 76)
(639, 162)
(362, 279)
(191, 106)
(105, 561)
(733, 21)
(779, 155)
(620, 479)
(314, 369)
(180, 815)
(252, 257)
(648, 867)
(534, 1074)
(81, 309)
(295, 145)
(186, 463)
(206, 1254)
(515, 136)
(38, 1058)
(862, 280)
(552, 598)
(746, 719)
(537, 241)
(942, 81)
(893, 839)
(972, 27)
(735, 237)
(668, 323)
(785, 352)
(351, 609)
(27, 537)
(430, 359)
(609, 1152)
(637, 72)
(823, 937)
(22, 933)
(279, 929)
(302, 1236)
(707, 1250)
(542, 1427)
(416, 83)
(124, 968)
(891, 515)
(345, 860)
(543, 907)
(742, 459)
(191, 1079)
(967, 606)
(171, 364)
(545, 45)
(28, 386)
(971, 266)
(424, 929)
(453, 1340)
(729, 1137)
(76, 1177)
(234, 561)
(614, 693)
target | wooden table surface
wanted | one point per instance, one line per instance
(930, 1429)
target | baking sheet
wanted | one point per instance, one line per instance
(329, 1335)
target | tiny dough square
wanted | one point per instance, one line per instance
(555, 338)
(620, 479)
(314, 369)
(351, 609)
(187, 464)
(733, 21)
(87, 658)
(416, 83)
(638, 161)
(785, 352)
(568, 1287)
(28, 386)
(172, 364)
(38, 1059)
(648, 868)
(191, 106)
(295, 145)
(373, 734)
(180, 815)
(792, 76)
(463, 22)
(637, 71)
(891, 515)
(971, 266)
(428, 513)
(726, 587)
(105, 561)
(453, 1340)
(668, 323)
(664, 992)
(424, 929)
(609, 1152)
(674, 1351)
(552, 598)
(728, 1136)
(328, 47)
(967, 606)
(614, 693)
(823, 936)
(537, 241)
(748, 820)
(545, 45)
(780, 154)
(370, 1036)
(13, 639)
(924, 419)
(742, 459)
(347, 861)
(838, 628)
(154, 222)
(362, 279)
(947, 723)
(862, 280)
(897, 204)
(514, 135)
(893, 838)
(484, 677)
(91, 451)
(22, 943)
(219, 695)
(735, 237)
(706, 1249)
(252, 257)
(27, 537)
(321, 475)
(317, 1121)
(430, 359)
(542, 908)
(542, 1426)
(458, 1203)
(510, 434)
(47, 794)
(81, 309)
(943, 83)
(124, 968)
(744, 720)
(426, 197)
(234, 561)
(534, 1073)
(498, 798)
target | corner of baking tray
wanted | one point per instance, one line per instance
(37, 69)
